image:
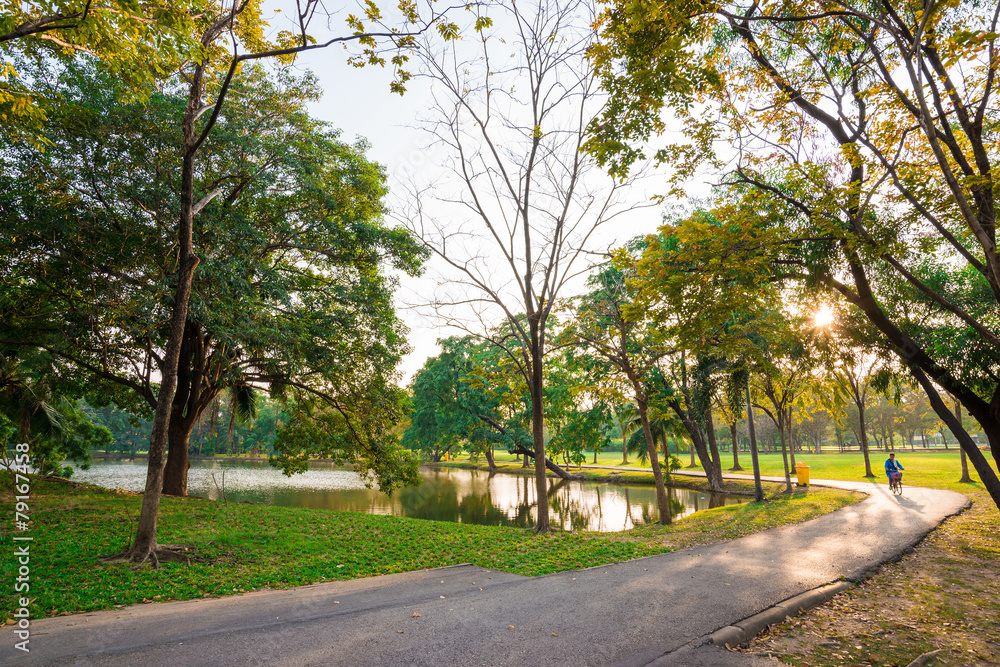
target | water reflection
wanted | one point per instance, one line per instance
(465, 496)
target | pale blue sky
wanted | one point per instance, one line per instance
(359, 102)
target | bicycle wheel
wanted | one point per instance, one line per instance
(897, 487)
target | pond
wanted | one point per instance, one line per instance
(446, 494)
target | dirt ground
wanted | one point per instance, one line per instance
(938, 605)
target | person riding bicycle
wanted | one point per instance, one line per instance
(893, 468)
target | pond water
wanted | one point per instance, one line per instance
(446, 494)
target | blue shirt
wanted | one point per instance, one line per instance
(892, 465)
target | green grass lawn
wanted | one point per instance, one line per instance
(246, 547)
(935, 469)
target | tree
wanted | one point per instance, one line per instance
(576, 413)
(292, 196)
(713, 316)
(730, 412)
(521, 195)
(863, 162)
(787, 363)
(282, 194)
(686, 392)
(858, 379)
(914, 416)
(471, 396)
(811, 416)
(449, 405)
(631, 348)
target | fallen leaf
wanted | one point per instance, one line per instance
(510, 627)
(554, 634)
(415, 614)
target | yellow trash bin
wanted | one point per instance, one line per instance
(802, 472)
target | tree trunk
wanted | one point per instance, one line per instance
(979, 462)
(538, 429)
(736, 447)
(662, 500)
(666, 455)
(784, 451)
(758, 489)
(621, 430)
(145, 544)
(175, 472)
(863, 437)
(713, 447)
(965, 464)
(791, 436)
(490, 460)
(698, 445)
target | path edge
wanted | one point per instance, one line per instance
(732, 636)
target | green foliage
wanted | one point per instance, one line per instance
(55, 428)
(843, 185)
(451, 398)
(141, 42)
(293, 292)
(340, 434)
(471, 397)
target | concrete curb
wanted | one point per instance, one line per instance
(732, 636)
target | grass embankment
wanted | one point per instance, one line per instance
(246, 547)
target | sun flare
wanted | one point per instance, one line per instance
(823, 316)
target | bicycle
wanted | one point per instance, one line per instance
(896, 483)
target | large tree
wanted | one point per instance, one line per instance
(630, 347)
(292, 294)
(859, 150)
(228, 36)
(516, 209)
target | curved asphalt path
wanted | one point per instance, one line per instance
(656, 610)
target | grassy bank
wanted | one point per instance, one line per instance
(245, 547)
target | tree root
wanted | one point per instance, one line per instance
(166, 553)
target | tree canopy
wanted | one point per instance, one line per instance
(855, 145)
(293, 293)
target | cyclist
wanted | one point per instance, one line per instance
(893, 468)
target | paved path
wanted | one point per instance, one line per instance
(657, 610)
